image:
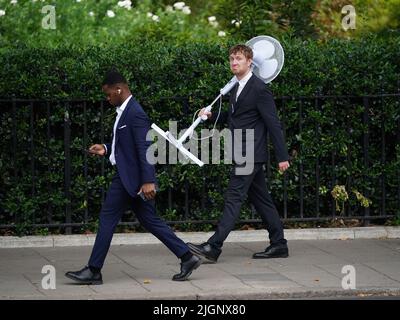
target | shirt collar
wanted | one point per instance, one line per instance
(245, 79)
(122, 107)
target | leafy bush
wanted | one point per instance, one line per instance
(100, 23)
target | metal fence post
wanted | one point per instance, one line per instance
(67, 169)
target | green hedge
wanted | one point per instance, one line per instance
(160, 73)
(160, 69)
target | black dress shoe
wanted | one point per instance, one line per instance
(85, 276)
(205, 250)
(273, 251)
(187, 268)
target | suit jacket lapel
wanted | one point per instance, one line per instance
(121, 120)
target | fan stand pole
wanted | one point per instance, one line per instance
(190, 130)
(179, 143)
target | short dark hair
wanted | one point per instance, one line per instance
(113, 77)
(241, 48)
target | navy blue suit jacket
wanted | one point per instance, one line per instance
(130, 148)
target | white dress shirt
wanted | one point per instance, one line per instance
(242, 83)
(119, 111)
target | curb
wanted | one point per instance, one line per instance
(251, 294)
(196, 237)
(277, 294)
(300, 294)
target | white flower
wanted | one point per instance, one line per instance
(155, 18)
(14, 2)
(221, 34)
(237, 23)
(78, 0)
(149, 14)
(2, 13)
(110, 13)
(213, 21)
(179, 5)
(214, 24)
(127, 4)
(186, 10)
(91, 13)
(169, 8)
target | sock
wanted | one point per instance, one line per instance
(186, 256)
(94, 269)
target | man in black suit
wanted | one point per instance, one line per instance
(251, 106)
(134, 176)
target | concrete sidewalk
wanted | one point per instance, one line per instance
(144, 271)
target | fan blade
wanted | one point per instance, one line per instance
(264, 49)
(268, 68)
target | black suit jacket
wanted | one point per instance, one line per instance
(255, 109)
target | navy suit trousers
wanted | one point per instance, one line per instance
(117, 201)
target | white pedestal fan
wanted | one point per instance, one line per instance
(268, 59)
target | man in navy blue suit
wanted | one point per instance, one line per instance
(134, 176)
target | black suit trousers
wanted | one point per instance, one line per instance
(254, 186)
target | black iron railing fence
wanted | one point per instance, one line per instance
(42, 137)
